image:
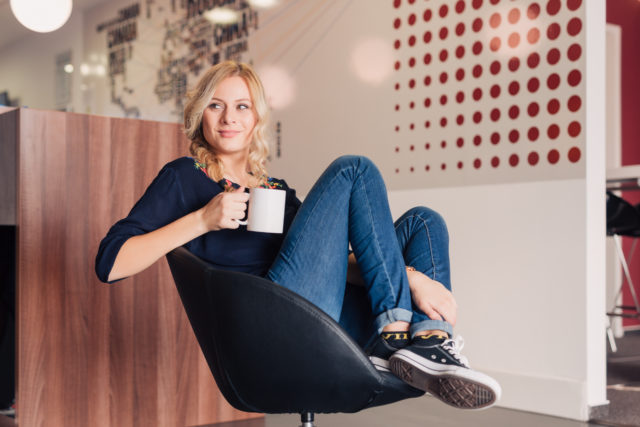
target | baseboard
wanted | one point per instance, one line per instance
(560, 397)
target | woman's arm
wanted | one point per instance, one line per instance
(140, 251)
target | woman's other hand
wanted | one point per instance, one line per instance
(432, 297)
(224, 209)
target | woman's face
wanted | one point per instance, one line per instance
(228, 121)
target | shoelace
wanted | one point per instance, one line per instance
(454, 347)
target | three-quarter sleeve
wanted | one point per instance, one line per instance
(161, 204)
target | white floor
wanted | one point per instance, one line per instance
(426, 411)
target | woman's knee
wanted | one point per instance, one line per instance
(354, 162)
(428, 215)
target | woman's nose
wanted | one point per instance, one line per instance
(228, 116)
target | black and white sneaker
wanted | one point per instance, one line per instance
(385, 345)
(434, 364)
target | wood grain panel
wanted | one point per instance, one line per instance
(91, 354)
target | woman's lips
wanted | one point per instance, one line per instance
(228, 133)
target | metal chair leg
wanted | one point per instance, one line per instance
(625, 268)
(306, 418)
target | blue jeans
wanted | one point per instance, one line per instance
(348, 204)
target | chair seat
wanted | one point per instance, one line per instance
(272, 351)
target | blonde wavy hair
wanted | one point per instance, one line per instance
(198, 100)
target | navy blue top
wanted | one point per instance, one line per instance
(180, 188)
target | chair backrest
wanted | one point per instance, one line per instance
(269, 349)
(622, 217)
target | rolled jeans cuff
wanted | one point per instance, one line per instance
(429, 325)
(393, 315)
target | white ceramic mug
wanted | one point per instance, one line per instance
(266, 210)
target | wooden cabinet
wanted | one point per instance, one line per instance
(91, 354)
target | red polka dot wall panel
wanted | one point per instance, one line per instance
(488, 91)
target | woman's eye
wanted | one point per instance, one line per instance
(243, 107)
(215, 106)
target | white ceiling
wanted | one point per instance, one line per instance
(11, 30)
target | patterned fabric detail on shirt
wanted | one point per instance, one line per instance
(228, 185)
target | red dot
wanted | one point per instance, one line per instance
(574, 78)
(444, 55)
(573, 4)
(427, 102)
(553, 81)
(574, 103)
(514, 15)
(396, 23)
(533, 133)
(397, 149)
(553, 106)
(494, 44)
(460, 51)
(574, 52)
(443, 166)
(459, 165)
(514, 87)
(553, 31)
(533, 35)
(444, 9)
(427, 15)
(460, 6)
(553, 56)
(412, 19)
(514, 112)
(443, 100)
(427, 36)
(574, 154)
(494, 67)
(411, 126)
(533, 60)
(459, 74)
(427, 168)
(396, 3)
(412, 83)
(476, 25)
(533, 84)
(477, 117)
(553, 131)
(397, 65)
(514, 160)
(444, 32)
(412, 40)
(427, 59)
(443, 123)
(397, 128)
(397, 170)
(396, 44)
(460, 142)
(427, 146)
(476, 4)
(495, 161)
(397, 86)
(477, 70)
(514, 136)
(533, 11)
(477, 140)
(460, 119)
(533, 109)
(427, 80)
(477, 94)
(514, 40)
(477, 48)
(412, 62)
(397, 107)
(443, 77)
(412, 1)
(574, 129)
(460, 29)
(427, 124)
(553, 156)
(553, 6)
(494, 20)
(533, 158)
(514, 63)
(494, 1)
(477, 163)
(412, 105)
(460, 97)
(495, 138)
(574, 26)
(495, 91)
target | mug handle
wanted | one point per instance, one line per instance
(240, 222)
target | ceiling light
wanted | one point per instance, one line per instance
(42, 16)
(221, 15)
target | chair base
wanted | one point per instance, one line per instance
(306, 418)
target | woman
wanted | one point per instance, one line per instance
(403, 313)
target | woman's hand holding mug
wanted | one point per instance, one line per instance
(225, 210)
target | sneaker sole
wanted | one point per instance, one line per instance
(380, 364)
(449, 386)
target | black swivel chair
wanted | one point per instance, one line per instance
(272, 351)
